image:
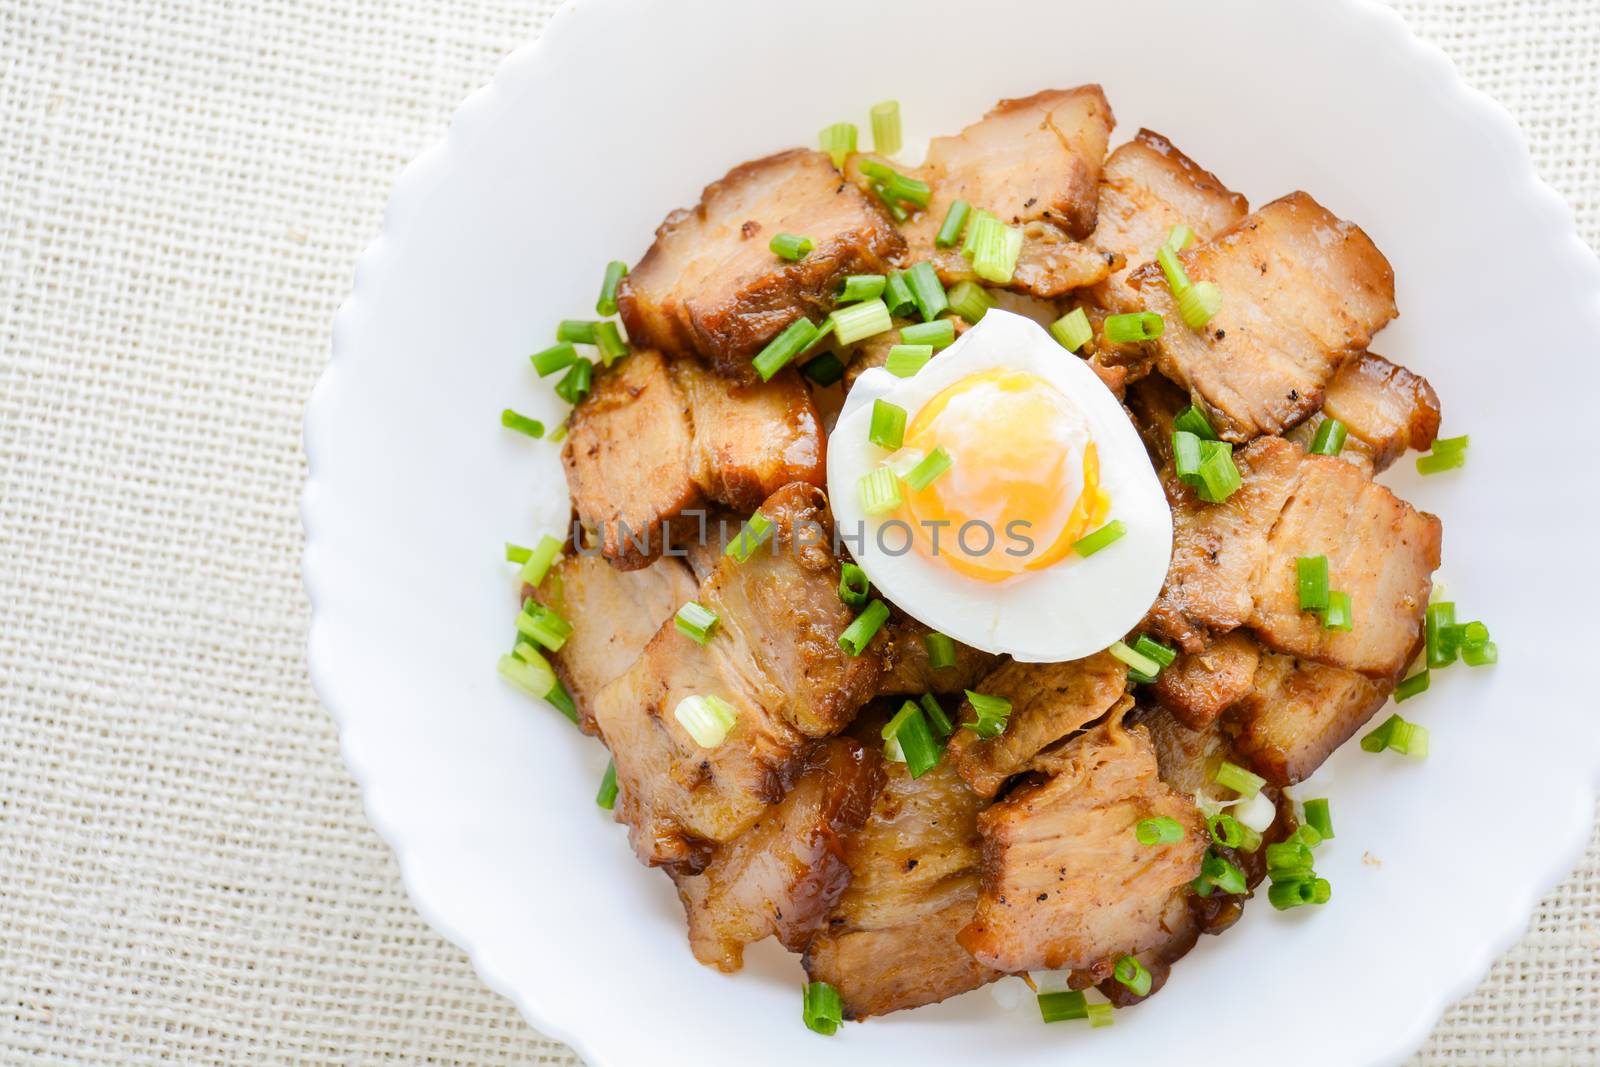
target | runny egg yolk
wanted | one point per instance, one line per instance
(1024, 483)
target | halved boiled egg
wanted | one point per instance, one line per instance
(1011, 452)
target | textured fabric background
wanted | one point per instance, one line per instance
(185, 871)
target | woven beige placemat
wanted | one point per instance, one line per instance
(185, 872)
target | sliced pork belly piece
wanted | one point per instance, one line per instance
(656, 443)
(1216, 548)
(1033, 162)
(1049, 701)
(711, 286)
(1298, 713)
(890, 942)
(613, 613)
(1154, 403)
(909, 673)
(775, 657)
(1384, 406)
(781, 876)
(1380, 550)
(1199, 686)
(1148, 188)
(1066, 884)
(1303, 291)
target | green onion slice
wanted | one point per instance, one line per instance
(1329, 440)
(906, 360)
(824, 370)
(1311, 579)
(543, 625)
(938, 333)
(927, 291)
(707, 718)
(607, 303)
(607, 796)
(1218, 872)
(533, 675)
(1438, 630)
(609, 340)
(1100, 1015)
(1160, 830)
(886, 127)
(1319, 818)
(822, 1010)
(574, 385)
(752, 535)
(937, 719)
(1062, 1006)
(923, 474)
(798, 336)
(696, 621)
(855, 322)
(860, 632)
(992, 711)
(1089, 544)
(1177, 280)
(1448, 454)
(839, 141)
(521, 423)
(1180, 238)
(517, 553)
(1338, 615)
(888, 426)
(578, 331)
(790, 246)
(1072, 330)
(897, 295)
(1133, 974)
(971, 301)
(995, 249)
(909, 728)
(540, 560)
(941, 650)
(1136, 661)
(1193, 421)
(1218, 476)
(1225, 830)
(1199, 304)
(1234, 777)
(1135, 326)
(558, 356)
(853, 585)
(955, 220)
(862, 287)
(880, 491)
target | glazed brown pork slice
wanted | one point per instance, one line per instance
(1148, 188)
(1066, 883)
(774, 657)
(1303, 292)
(613, 613)
(890, 942)
(781, 876)
(711, 286)
(1033, 162)
(1384, 406)
(1234, 564)
(1049, 701)
(1200, 686)
(910, 673)
(1298, 712)
(656, 443)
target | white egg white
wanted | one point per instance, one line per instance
(1069, 610)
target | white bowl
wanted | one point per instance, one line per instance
(622, 111)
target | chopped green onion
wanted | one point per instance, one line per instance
(880, 491)
(1100, 1015)
(1319, 818)
(1062, 1006)
(543, 625)
(927, 291)
(557, 357)
(1439, 620)
(886, 127)
(1136, 326)
(888, 426)
(862, 287)
(1406, 738)
(1378, 739)
(1136, 661)
(578, 331)
(859, 633)
(854, 322)
(1160, 830)
(1307, 835)
(1338, 616)
(853, 585)
(1089, 544)
(993, 713)
(1131, 973)
(970, 300)
(516, 553)
(906, 360)
(941, 650)
(535, 678)
(1072, 330)
(909, 728)
(1234, 777)
(822, 1011)
(562, 701)
(1192, 420)
(559, 434)
(1177, 280)
(1218, 476)
(1225, 830)
(995, 248)
(1218, 872)
(1250, 840)
(897, 186)
(521, 423)
(609, 340)
(1199, 304)
(574, 385)
(1448, 453)
(607, 304)
(790, 246)
(897, 295)
(839, 141)
(607, 797)
(1180, 238)
(1186, 455)
(1329, 440)
(922, 475)
(539, 561)
(938, 333)
(695, 620)
(955, 219)
(970, 244)
(1311, 578)
(890, 204)
(751, 537)
(937, 719)
(1480, 655)
(795, 339)
(824, 370)
(708, 719)
(1294, 892)
(1149, 646)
